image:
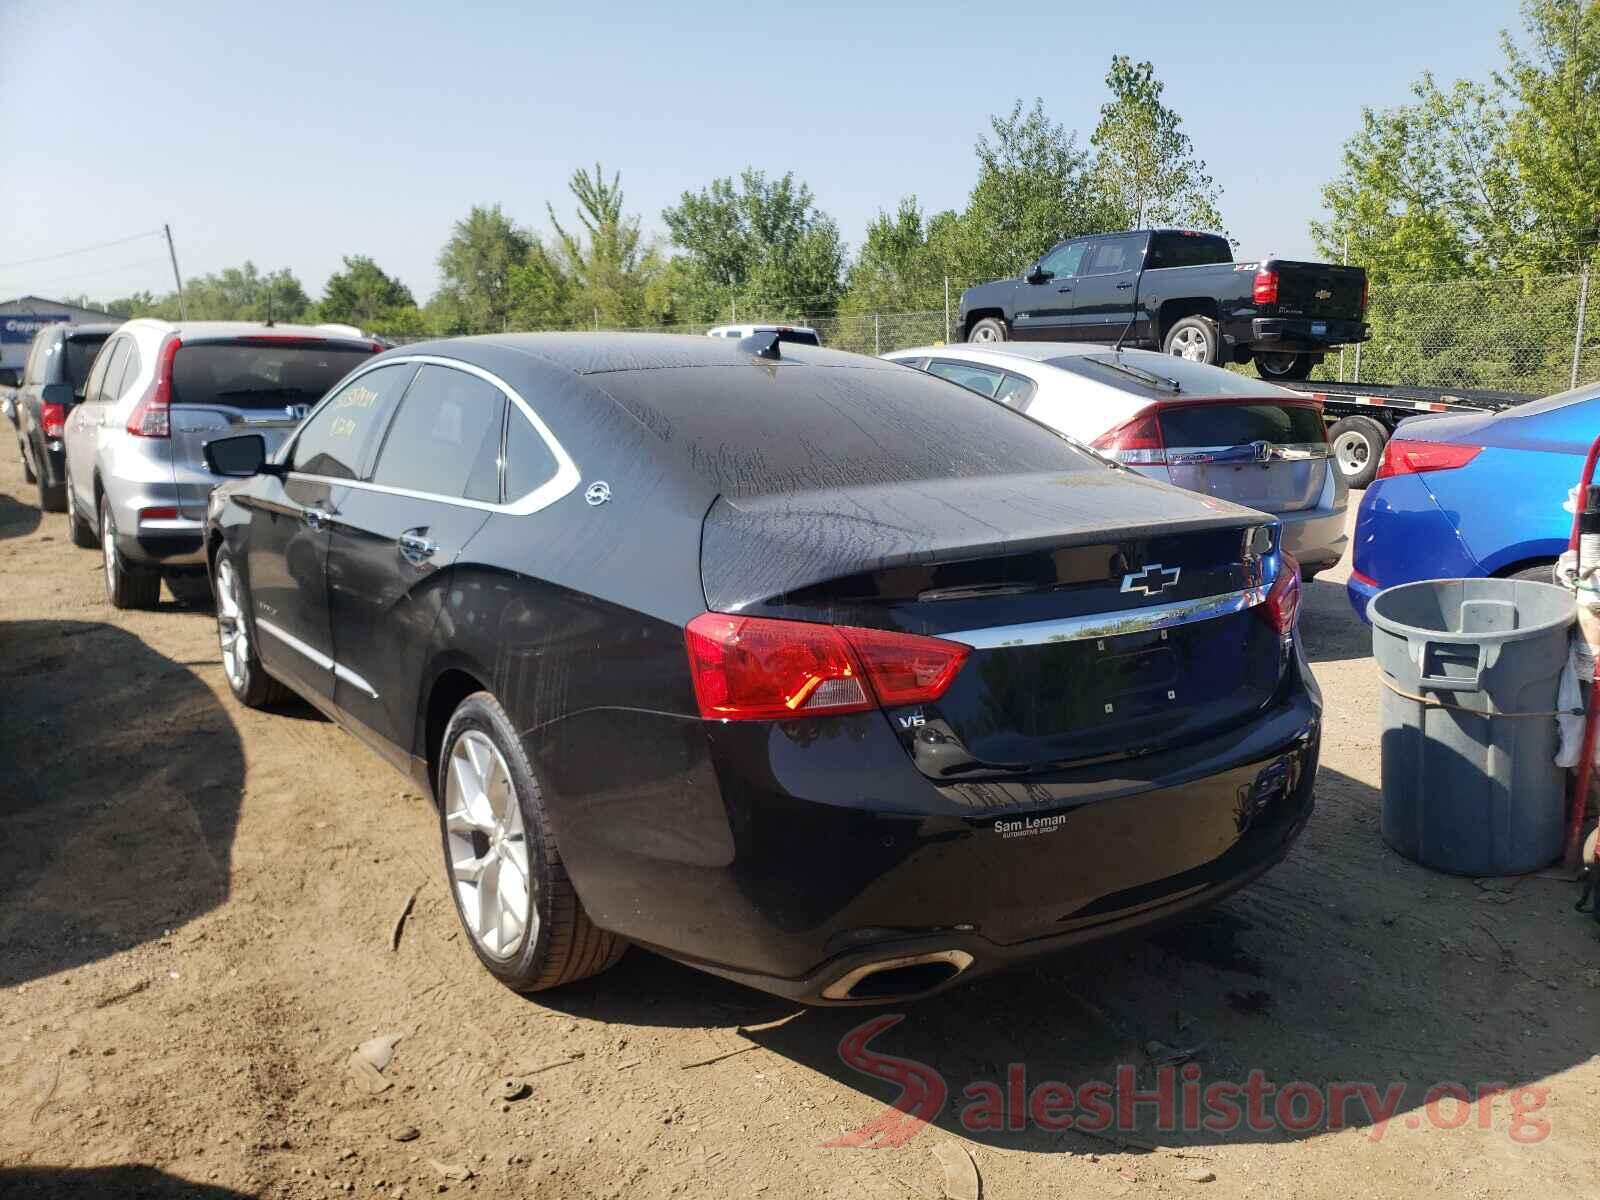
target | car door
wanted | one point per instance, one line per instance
(434, 482)
(1105, 291)
(85, 422)
(286, 559)
(1042, 311)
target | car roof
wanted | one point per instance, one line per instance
(89, 328)
(1145, 373)
(219, 330)
(595, 353)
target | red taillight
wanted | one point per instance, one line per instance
(1265, 290)
(1402, 456)
(756, 668)
(152, 416)
(1137, 441)
(1282, 604)
(52, 419)
(165, 513)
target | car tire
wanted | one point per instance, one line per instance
(1357, 446)
(27, 466)
(492, 817)
(241, 667)
(1195, 339)
(1539, 573)
(83, 534)
(124, 588)
(52, 497)
(990, 329)
(1278, 364)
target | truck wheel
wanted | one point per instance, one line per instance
(1277, 364)
(990, 329)
(1194, 339)
(1357, 444)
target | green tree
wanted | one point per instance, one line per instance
(606, 271)
(1034, 188)
(363, 294)
(241, 294)
(1145, 168)
(475, 268)
(1554, 131)
(761, 243)
(899, 267)
(1428, 188)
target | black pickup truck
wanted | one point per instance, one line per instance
(1178, 291)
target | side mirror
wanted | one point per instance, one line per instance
(1037, 274)
(239, 457)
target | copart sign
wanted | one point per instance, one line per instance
(20, 327)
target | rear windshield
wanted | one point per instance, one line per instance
(1187, 250)
(1164, 376)
(80, 352)
(756, 431)
(261, 375)
(1239, 425)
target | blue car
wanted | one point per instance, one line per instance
(1463, 496)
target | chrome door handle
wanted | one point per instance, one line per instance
(1120, 286)
(1065, 289)
(315, 517)
(415, 548)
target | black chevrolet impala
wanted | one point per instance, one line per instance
(808, 669)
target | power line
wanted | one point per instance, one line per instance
(96, 273)
(28, 262)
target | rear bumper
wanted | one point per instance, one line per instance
(1316, 537)
(1296, 334)
(793, 857)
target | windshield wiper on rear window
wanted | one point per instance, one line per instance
(1150, 379)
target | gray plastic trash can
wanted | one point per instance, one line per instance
(1473, 792)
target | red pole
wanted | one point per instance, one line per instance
(1591, 719)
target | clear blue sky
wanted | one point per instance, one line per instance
(293, 133)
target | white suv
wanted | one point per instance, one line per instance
(137, 483)
(800, 335)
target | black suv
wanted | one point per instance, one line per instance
(52, 382)
(1178, 291)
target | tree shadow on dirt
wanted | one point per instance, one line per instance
(102, 1183)
(119, 796)
(1344, 965)
(16, 519)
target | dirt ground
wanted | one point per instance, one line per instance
(196, 910)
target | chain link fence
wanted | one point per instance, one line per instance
(1534, 334)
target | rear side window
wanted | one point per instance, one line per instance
(80, 355)
(261, 374)
(529, 460)
(111, 381)
(339, 440)
(1239, 425)
(117, 388)
(983, 380)
(1114, 256)
(1187, 250)
(445, 440)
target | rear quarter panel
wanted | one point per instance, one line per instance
(1506, 504)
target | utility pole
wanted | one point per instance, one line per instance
(947, 310)
(183, 310)
(1577, 337)
(1346, 262)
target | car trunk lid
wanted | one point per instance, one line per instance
(1270, 455)
(1108, 615)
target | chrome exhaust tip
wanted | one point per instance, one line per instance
(898, 978)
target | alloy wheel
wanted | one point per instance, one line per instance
(108, 548)
(984, 333)
(232, 631)
(487, 847)
(1190, 345)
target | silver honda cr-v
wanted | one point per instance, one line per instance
(137, 482)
